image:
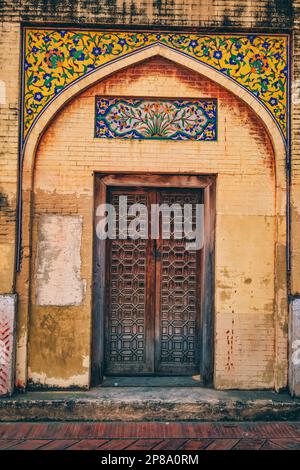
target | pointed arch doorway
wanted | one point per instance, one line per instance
(29, 158)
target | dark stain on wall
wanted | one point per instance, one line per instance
(167, 13)
(280, 11)
(227, 20)
(111, 6)
(3, 201)
(158, 5)
(7, 217)
(133, 12)
(284, 8)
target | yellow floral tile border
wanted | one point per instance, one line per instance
(55, 58)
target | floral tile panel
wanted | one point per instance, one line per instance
(56, 58)
(137, 118)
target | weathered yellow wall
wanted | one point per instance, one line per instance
(59, 337)
(9, 78)
(237, 15)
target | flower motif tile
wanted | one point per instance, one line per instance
(55, 58)
(156, 119)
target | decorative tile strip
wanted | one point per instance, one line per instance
(55, 58)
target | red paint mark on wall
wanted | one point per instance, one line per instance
(230, 339)
(7, 319)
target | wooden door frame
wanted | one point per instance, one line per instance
(207, 183)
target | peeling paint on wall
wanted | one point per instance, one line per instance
(58, 261)
(42, 380)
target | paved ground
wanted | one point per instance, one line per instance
(146, 436)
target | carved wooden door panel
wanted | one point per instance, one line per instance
(129, 320)
(177, 295)
(153, 296)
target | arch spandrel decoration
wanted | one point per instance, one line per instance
(55, 58)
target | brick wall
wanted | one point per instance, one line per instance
(219, 14)
(9, 75)
(295, 158)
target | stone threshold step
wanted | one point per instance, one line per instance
(150, 404)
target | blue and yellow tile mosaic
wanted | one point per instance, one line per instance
(55, 58)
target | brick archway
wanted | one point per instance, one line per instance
(70, 93)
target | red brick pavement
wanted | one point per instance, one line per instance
(149, 436)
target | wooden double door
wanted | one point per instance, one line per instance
(153, 317)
